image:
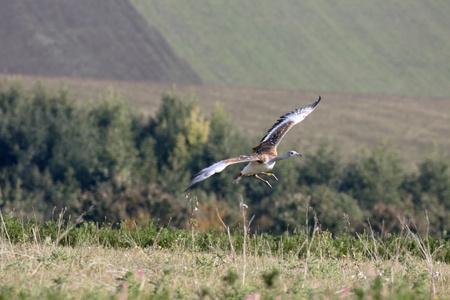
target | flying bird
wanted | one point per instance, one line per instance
(265, 154)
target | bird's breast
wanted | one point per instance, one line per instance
(255, 167)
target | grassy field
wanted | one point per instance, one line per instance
(55, 261)
(389, 48)
(414, 126)
(393, 48)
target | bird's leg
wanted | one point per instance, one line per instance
(270, 175)
(265, 181)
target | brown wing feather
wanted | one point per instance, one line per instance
(239, 159)
(273, 137)
(271, 142)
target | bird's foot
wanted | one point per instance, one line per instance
(267, 183)
(271, 175)
(263, 180)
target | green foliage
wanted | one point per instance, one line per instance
(34, 129)
(179, 131)
(324, 244)
(401, 290)
(270, 277)
(434, 179)
(109, 165)
(231, 277)
(223, 141)
(155, 254)
(116, 152)
(336, 211)
(55, 150)
(429, 190)
(323, 166)
(374, 178)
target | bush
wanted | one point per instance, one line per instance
(104, 160)
(323, 166)
(373, 178)
(54, 150)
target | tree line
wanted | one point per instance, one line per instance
(105, 162)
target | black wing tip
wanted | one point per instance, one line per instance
(317, 102)
(193, 182)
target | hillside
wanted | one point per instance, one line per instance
(95, 39)
(361, 59)
(389, 47)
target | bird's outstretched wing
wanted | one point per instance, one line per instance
(219, 167)
(273, 137)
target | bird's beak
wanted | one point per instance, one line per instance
(299, 155)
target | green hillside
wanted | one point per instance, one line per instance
(389, 47)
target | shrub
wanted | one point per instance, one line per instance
(373, 178)
(104, 160)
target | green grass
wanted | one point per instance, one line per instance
(388, 48)
(59, 260)
(391, 48)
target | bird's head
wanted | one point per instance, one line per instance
(292, 153)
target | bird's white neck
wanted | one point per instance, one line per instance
(277, 158)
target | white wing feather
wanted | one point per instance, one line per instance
(207, 172)
(218, 167)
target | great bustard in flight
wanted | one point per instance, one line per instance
(265, 155)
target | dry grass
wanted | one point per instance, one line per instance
(415, 126)
(98, 272)
(39, 268)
